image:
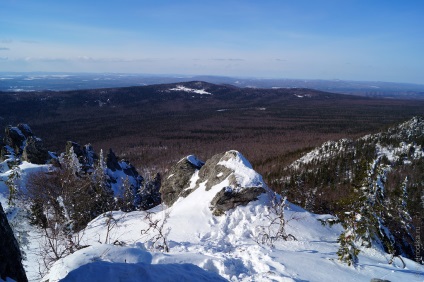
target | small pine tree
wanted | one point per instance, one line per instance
(348, 251)
(12, 184)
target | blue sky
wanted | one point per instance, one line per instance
(317, 39)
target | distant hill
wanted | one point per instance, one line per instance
(156, 124)
(28, 82)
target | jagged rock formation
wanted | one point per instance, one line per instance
(230, 166)
(122, 177)
(85, 154)
(34, 151)
(112, 161)
(10, 255)
(226, 166)
(178, 179)
(20, 142)
(123, 173)
(121, 170)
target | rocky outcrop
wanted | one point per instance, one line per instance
(10, 256)
(34, 151)
(19, 142)
(85, 154)
(229, 198)
(112, 161)
(242, 183)
(178, 179)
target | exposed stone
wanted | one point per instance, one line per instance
(178, 179)
(177, 183)
(34, 151)
(10, 255)
(14, 138)
(112, 161)
(19, 142)
(215, 173)
(25, 130)
(235, 194)
(379, 280)
(229, 198)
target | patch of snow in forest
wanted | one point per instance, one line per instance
(190, 90)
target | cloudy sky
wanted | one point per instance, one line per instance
(316, 39)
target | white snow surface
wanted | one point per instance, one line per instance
(204, 247)
(244, 173)
(190, 90)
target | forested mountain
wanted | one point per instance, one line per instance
(155, 125)
(374, 184)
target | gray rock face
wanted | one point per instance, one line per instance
(15, 138)
(34, 151)
(10, 256)
(178, 178)
(216, 170)
(112, 161)
(20, 142)
(229, 198)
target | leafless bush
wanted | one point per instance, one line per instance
(111, 223)
(276, 228)
(156, 232)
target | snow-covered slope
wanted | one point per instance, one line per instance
(205, 247)
(228, 245)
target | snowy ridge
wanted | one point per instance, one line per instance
(384, 143)
(324, 152)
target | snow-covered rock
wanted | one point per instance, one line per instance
(178, 179)
(20, 143)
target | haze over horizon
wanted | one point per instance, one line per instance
(349, 40)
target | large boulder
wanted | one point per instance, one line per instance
(10, 255)
(241, 183)
(15, 138)
(178, 179)
(34, 151)
(19, 142)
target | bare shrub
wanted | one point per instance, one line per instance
(276, 228)
(156, 232)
